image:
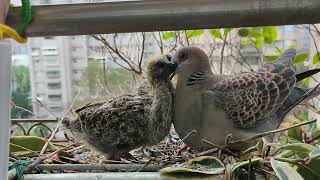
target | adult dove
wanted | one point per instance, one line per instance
(242, 105)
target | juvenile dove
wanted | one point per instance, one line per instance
(242, 105)
(129, 121)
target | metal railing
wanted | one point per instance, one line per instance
(35, 123)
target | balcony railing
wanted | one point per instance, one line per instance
(35, 123)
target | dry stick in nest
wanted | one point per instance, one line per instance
(12, 173)
(46, 107)
(40, 158)
(146, 164)
(219, 147)
(271, 132)
(181, 140)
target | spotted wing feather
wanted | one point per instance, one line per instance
(117, 126)
(250, 98)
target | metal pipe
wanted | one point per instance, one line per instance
(5, 113)
(13, 121)
(160, 15)
(100, 167)
(115, 176)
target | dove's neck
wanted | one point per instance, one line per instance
(183, 75)
(161, 111)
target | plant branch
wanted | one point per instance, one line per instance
(271, 132)
(23, 109)
(222, 54)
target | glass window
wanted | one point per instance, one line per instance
(54, 85)
(53, 74)
(55, 97)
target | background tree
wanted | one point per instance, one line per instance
(20, 92)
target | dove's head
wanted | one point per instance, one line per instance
(190, 60)
(160, 69)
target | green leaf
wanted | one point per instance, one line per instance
(243, 32)
(216, 33)
(303, 116)
(245, 42)
(168, 35)
(316, 58)
(199, 165)
(310, 173)
(194, 33)
(295, 133)
(300, 58)
(226, 31)
(284, 171)
(285, 154)
(255, 33)
(306, 81)
(283, 139)
(278, 50)
(294, 46)
(301, 149)
(270, 34)
(237, 165)
(314, 153)
(315, 135)
(27, 143)
(272, 58)
(258, 42)
(313, 166)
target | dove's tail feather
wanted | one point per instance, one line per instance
(306, 74)
(292, 101)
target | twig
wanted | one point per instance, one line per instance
(187, 38)
(185, 137)
(219, 147)
(40, 158)
(308, 161)
(46, 107)
(249, 169)
(76, 148)
(150, 160)
(208, 152)
(18, 107)
(181, 140)
(106, 89)
(222, 54)
(302, 98)
(12, 173)
(271, 132)
(58, 125)
(266, 171)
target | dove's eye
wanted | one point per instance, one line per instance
(183, 56)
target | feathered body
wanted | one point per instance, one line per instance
(130, 121)
(242, 105)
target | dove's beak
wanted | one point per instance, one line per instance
(174, 67)
(169, 57)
